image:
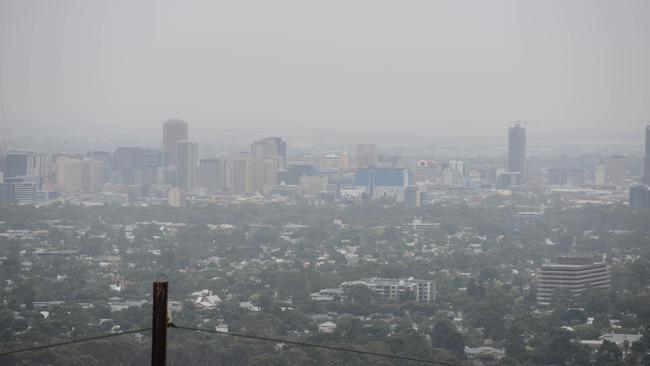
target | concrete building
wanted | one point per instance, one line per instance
(640, 196)
(332, 163)
(107, 158)
(92, 175)
(517, 151)
(211, 174)
(646, 172)
(574, 274)
(427, 171)
(79, 175)
(417, 224)
(7, 193)
(367, 156)
(265, 173)
(174, 131)
(384, 183)
(24, 192)
(176, 197)
(420, 290)
(241, 176)
(415, 196)
(600, 176)
(187, 165)
(135, 166)
(574, 177)
(509, 180)
(336, 183)
(271, 147)
(526, 218)
(25, 163)
(292, 174)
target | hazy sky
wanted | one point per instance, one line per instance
(373, 68)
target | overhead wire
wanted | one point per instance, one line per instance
(72, 341)
(314, 345)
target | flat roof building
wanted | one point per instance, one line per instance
(423, 291)
(575, 274)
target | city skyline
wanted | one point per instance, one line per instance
(354, 183)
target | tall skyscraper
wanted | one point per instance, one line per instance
(187, 165)
(92, 175)
(270, 146)
(211, 174)
(25, 163)
(135, 165)
(107, 158)
(241, 174)
(646, 171)
(174, 131)
(640, 196)
(367, 156)
(126, 161)
(517, 151)
(265, 173)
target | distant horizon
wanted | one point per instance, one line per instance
(340, 71)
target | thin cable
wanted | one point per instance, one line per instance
(78, 340)
(314, 345)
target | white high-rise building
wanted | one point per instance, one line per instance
(211, 174)
(174, 131)
(92, 175)
(76, 175)
(600, 176)
(187, 165)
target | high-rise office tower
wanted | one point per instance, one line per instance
(174, 131)
(367, 156)
(211, 174)
(25, 163)
(270, 146)
(107, 158)
(92, 175)
(331, 163)
(615, 170)
(135, 165)
(427, 171)
(265, 173)
(600, 175)
(126, 161)
(77, 175)
(517, 151)
(187, 165)
(640, 196)
(241, 174)
(646, 171)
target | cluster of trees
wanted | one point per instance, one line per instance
(492, 291)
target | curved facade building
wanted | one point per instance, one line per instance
(574, 274)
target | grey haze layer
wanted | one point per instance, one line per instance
(338, 68)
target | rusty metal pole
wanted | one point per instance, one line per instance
(159, 325)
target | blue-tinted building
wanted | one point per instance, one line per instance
(384, 183)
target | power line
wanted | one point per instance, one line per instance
(73, 341)
(313, 345)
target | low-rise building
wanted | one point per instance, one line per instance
(422, 291)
